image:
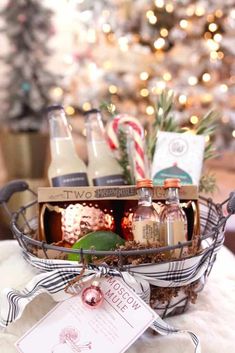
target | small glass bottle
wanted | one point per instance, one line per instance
(145, 221)
(66, 168)
(173, 229)
(103, 168)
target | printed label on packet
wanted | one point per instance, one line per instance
(72, 327)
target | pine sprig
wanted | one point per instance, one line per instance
(207, 183)
(207, 127)
(164, 120)
(124, 159)
(108, 107)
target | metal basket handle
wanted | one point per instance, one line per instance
(11, 188)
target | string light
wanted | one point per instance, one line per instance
(152, 20)
(210, 18)
(190, 10)
(149, 14)
(113, 89)
(144, 92)
(70, 110)
(86, 106)
(218, 37)
(106, 28)
(207, 138)
(213, 27)
(150, 110)
(144, 76)
(169, 8)
(159, 43)
(214, 55)
(123, 43)
(159, 3)
(161, 85)
(194, 119)
(164, 32)
(183, 24)
(57, 92)
(223, 88)
(182, 99)
(233, 133)
(207, 98)
(192, 80)
(167, 76)
(212, 45)
(207, 35)
(154, 90)
(220, 55)
(200, 11)
(219, 13)
(111, 37)
(206, 77)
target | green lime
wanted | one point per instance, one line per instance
(99, 240)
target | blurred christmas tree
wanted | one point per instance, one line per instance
(129, 51)
(28, 28)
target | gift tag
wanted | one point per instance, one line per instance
(73, 326)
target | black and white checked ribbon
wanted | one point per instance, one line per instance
(56, 274)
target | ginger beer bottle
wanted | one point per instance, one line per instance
(66, 168)
(145, 221)
(172, 217)
(103, 168)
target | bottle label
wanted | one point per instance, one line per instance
(145, 231)
(73, 179)
(110, 180)
(172, 233)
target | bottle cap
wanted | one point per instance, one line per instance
(54, 107)
(144, 183)
(172, 183)
(92, 111)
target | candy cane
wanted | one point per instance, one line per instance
(113, 128)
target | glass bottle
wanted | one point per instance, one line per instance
(145, 221)
(103, 168)
(66, 168)
(172, 217)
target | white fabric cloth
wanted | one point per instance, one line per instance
(212, 318)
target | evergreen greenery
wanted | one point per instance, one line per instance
(28, 29)
(164, 121)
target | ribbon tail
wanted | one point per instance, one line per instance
(141, 287)
(13, 302)
(161, 327)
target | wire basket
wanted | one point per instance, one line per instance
(173, 283)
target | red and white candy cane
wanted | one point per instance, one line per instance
(113, 128)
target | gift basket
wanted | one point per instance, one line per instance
(169, 285)
(111, 218)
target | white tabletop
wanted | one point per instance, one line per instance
(212, 318)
